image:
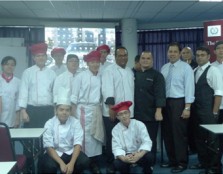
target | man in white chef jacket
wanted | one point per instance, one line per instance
(66, 79)
(36, 90)
(131, 144)
(105, 51)
(63, 140)
(85, 98)
(58, 55)
(117, 86)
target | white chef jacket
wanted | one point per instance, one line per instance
(130, 139)
(62, 137)
(86, 88)
(64, 80)
(36, 87)
(10, 93)
(59, 69)
(104, 66)
(86, 93)
(118, 83)
(220, 67)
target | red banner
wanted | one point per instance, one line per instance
(213, 32)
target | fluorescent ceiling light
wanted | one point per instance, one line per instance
(210, 0)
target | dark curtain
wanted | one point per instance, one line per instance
(31, 36)
(157, 41)
(118, 37)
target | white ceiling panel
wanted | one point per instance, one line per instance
(112, 11)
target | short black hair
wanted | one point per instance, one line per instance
(218, 43)
(137, 57)
(203, 48)
(6, 59)
(175, 44)
(121, 47)
(70, 56)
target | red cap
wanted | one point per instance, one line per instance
(104, 47)
(40, 48)
(92, 56)
(58, 50)
(122, 106)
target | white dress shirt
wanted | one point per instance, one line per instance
(220, 67)
(182, 82)
(214, 78)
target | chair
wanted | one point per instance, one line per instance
(7, 152)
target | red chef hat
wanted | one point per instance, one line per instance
(40, 48)
(92, 56)
(122, 106)
(103, 47)
(58, 50)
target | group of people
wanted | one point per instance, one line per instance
(113, 106)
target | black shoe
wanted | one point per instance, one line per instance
(167, 165)
(209, 171)
(110, 170)
(213, 171)
(197, 166)
(178, 169)
(149, 171)
(95, 169)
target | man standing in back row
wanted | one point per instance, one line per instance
(150, 97)
(179, 79)
(36, 91)
(208, 95)
(58, 55)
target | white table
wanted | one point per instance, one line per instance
(214, 128)
(27, 133)
(33, 134)
(5, 167)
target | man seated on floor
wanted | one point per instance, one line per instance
(63, 140)
(131, 143)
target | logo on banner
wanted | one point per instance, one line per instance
(214, 31)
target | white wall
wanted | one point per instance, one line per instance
(19, 53)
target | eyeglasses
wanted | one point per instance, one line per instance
(123, 113)
(76, 61)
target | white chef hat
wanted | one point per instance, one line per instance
(63, 96)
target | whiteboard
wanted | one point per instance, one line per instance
(19, 53)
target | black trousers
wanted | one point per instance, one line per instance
(152, 128)
(145, 162)
(207, 142)
(191, 134)
(109, 125)
(174, 131)
(48, 165)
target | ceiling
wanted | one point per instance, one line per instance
(146, 12)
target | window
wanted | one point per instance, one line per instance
(79, 41)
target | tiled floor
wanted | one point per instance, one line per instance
(157, 168)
